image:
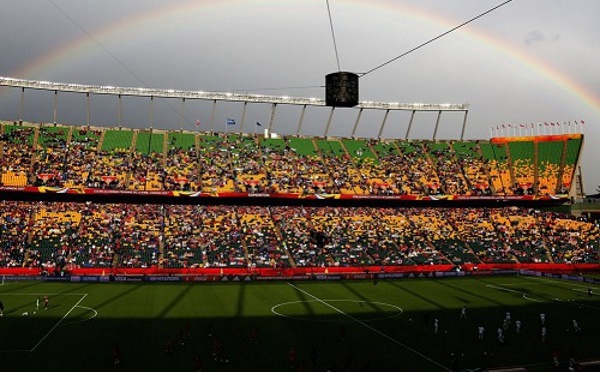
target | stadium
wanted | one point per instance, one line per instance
(145, 228)
(178, 248)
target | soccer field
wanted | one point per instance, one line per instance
(335, 326)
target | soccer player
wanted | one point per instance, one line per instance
(187, 331)
(198, 363)
(543, 318)
(116, 354)
(435, 325)
(218, 349)
(1, 308)
(37, 304)
(168, 346)
(507, 317)
(46, 302)
(313, 356)
(589, 290)
(500, 335)
(543, 333)
(463, 313)
(505, 324)
(253, 335)
(518, 326)
(480, 332)
(576, 326)
(556, 358)
(181, 337)
(292, 356)
(343, 333)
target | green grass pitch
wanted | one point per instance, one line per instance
(332, 326)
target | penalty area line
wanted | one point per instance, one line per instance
(58, 323)
(369, 327)
(565, 282)
(44, 294)
(523, 294)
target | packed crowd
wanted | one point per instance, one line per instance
(54, 235)
(216, 163)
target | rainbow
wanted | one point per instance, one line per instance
(70, 51)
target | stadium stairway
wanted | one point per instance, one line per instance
(36, 137)
(536, 167)
(510, 167)
(561, 170)
(279, 235)
(100, 141)
(486, 171)
(165, 150)
(134, 140)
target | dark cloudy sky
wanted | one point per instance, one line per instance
(531, 61)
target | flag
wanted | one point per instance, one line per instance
(258, 124)
(230, 121)
(197, 122)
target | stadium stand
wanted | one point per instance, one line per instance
(142, 160)
(66, 234)
(181, 170)
(61, 235)
(570, 156)
(549, 165)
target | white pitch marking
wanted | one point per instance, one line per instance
(523, 283)
(58, 323)
(274, 311)
(584, 290)
(564, 282)
(525, 297)
(44, 294)
(14, 351)
(371, 328)
(83, 320)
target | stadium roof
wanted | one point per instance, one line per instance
(218, 96)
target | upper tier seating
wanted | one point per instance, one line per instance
(150, 160)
